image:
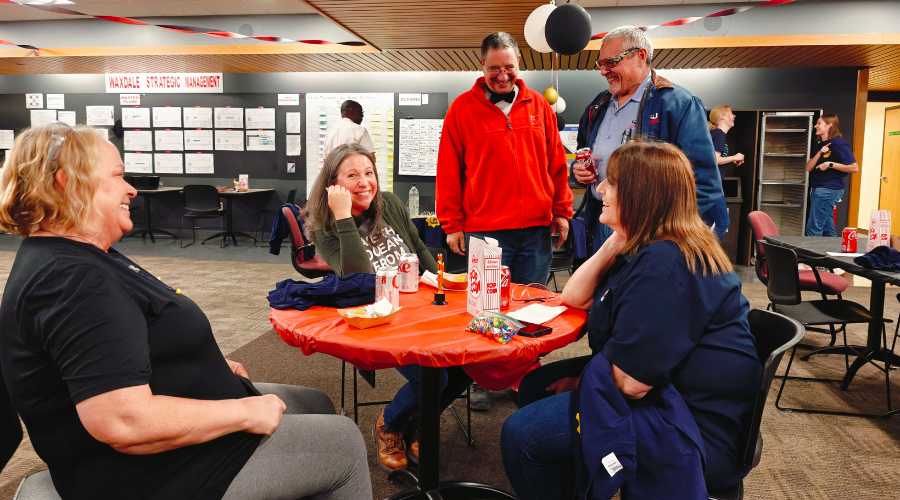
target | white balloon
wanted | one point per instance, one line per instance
(534, 28)
(559, 106)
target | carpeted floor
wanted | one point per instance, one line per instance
(805, 456)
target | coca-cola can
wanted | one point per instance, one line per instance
(586, 156)
(848, 244)
(409, 273)
(504, 287)
(387, 286)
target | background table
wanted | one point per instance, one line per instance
(815, 251)
(229, 197)
(147, 194)
(433, 337)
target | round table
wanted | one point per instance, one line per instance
(433, 337)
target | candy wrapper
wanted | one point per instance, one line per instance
(498, 326)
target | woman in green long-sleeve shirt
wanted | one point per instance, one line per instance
(356, 229)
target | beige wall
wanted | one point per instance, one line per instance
(870, 183)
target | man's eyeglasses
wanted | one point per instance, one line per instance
(611, 62)
(497, 71)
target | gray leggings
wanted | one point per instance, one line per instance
(313, 454)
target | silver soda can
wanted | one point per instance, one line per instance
(387, 286)
(409, 273)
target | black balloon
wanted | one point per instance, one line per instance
(568, 29)
(560, 121)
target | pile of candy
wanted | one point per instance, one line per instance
(497, 326)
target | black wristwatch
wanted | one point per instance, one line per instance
(830, 164)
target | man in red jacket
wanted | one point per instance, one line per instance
(502, 169)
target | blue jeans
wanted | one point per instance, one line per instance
(821, 211)
(527, 252)
(536, 446)
(718, 215)
(406, 402)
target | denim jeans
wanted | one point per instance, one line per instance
(821, 211)
(536, 446)
(406, 402)
(718, 215)
(526, 251)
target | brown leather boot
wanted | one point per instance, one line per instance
(412, 435)
(391, 448)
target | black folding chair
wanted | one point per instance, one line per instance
(774, 334)
(784, 293)
(202, 202)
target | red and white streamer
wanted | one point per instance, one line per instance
(689, 20)
(171, 27)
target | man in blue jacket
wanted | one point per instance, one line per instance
(642, 104)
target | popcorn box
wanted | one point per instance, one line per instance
(879, 229)
(484, 275)
(243, 182)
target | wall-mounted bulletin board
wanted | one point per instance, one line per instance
(428, 109)
(193, 136)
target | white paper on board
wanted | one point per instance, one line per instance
(229, 117)
(256, 118)
(56, 101)
(169, 140)
(260, 140)
(129, 99)
(292, 123)
(136, 117)
(293, 145)
(42, 117)
(229, 140)
(34, 101)
(137, 140)
(139, 163)
(424, 98)
(165, 117)
(7, 137)
(168, 163)
(198, 118)
(288, 99)
(198, 163)
(67, 117)
(98, 116)
(198, 140)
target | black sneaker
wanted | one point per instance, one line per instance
(479, 398)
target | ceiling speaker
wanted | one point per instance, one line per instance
(246, 30)
(713, 26)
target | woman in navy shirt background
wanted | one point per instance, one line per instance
(827, 169)
(665, 307)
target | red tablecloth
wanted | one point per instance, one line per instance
(426, 335)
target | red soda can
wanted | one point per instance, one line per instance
(848, 245)
(504, 287)
(587, 158)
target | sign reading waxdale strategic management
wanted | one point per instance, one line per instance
(164, 83)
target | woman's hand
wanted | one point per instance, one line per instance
(628, 386)
(614, 244)
(263, 413)
(237, 368)
(825, 149)
(579, 290)
(824, 166)
(562, 385)
(339, 200)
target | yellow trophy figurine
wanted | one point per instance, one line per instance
(439, 295)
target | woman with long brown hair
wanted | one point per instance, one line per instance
(358, 229)
(666, 311)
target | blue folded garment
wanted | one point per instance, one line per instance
(352, 290)
(883, 258)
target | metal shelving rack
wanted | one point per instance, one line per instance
(784, 148)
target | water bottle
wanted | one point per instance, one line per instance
(413, 201)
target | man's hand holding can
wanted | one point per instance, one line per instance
(584, 170)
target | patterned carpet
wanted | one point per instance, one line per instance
(804, 457)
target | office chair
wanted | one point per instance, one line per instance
(202, 202)
(309, 268)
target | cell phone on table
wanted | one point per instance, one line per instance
(534, 330)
